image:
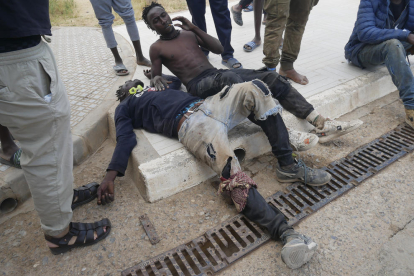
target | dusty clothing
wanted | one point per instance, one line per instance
(103, 12)
(211, 81)
(205, 132)
(42, 128)
(238, 186)
(290, 16)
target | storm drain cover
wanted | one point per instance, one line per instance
(222, 245)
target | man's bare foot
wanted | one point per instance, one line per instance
(295, 76)
(144, 62)
(147, 73)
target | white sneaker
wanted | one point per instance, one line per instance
(333, 129)
(302, 141)
(298, 249)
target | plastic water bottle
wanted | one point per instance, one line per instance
(48, 97)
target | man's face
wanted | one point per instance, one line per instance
(160, 21)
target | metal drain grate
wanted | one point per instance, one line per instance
(234, 238)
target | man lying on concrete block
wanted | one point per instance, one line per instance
(202, 126)
(180, 52)
(383, 34)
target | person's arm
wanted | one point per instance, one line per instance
(157, 80)
(204, 40)
(368, 32)
(125, 141)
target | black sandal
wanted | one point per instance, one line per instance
(84, 233)
(84, 194)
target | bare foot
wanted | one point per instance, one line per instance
(144, 62)
(147, 73)
(295, 76)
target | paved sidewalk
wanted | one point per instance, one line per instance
(321, 57)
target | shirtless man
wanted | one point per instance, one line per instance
(180, 52)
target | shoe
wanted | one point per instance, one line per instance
(298, 249)
(302, 141)
(333, 129)
(409, 117)
(300, 172)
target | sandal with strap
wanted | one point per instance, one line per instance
(84, 194)
(84, 233)
(14, 160)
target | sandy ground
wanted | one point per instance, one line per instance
(353, 232)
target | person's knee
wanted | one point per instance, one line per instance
(262, 87)
(106, 22)
(395, 48)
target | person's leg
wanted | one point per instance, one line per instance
(124, 9)
(236, 10)
(43, 130)
(197, 9)
(296, 22)
(8, 146)
(222, 22)
(393, 54)
(103, 12)
(277, 13)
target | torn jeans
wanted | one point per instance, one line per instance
(205, 132)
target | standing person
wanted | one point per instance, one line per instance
(222, 22)
(28, 73)
(383, 33)
(103, 12)
(290, 16)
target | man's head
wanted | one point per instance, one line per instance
(123, 92)
(157, 19)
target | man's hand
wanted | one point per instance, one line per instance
(185, 23)
(410, 39)
(159, 83)
(106, 189)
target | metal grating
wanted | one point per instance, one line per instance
(219, 247)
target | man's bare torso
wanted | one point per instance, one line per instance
(183, 56)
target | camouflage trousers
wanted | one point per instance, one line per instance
(290, 16)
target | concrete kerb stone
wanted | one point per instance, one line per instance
(87, 136)
(158, 177)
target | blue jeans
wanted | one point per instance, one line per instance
(393, 54)
(222, 21)
(103, 12)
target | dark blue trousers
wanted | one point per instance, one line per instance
(222, 21)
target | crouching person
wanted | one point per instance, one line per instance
(202, 126)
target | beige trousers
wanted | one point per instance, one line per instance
(42, 128)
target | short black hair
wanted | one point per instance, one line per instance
(122, 93)
(146, 10)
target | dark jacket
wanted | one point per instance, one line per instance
(375, 24)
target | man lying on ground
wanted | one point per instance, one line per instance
(383, 34)
(180, 52)
(175, 113)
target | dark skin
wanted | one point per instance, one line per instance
(182, 54)
(106, 191)
(8, 147)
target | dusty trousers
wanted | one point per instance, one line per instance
(42, 128)
(205, 132)
(290, 16)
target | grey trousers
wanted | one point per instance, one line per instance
(103, 12)
(42, 128)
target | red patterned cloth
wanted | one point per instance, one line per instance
(238, 186)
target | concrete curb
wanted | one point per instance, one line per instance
(87, 136)
(158, 177)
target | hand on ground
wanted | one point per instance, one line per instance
(106, 192)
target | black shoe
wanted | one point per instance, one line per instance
(300, 172)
